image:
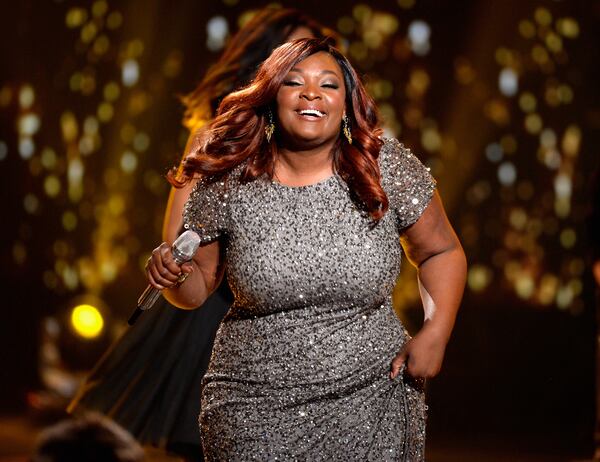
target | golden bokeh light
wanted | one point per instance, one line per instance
(87, 321)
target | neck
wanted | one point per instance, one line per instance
(305, 166)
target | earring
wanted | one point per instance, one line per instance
(346, 128)
(270, 127)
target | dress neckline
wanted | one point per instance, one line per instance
(305, 187)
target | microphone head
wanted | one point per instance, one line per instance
(185, 246)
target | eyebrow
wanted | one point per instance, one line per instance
(325, 71)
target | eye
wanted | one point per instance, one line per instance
(331, 85)
(291, 83)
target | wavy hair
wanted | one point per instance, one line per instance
(237, 134)
(237, 66)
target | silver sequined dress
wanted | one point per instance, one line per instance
(300, 365)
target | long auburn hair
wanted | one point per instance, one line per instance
(237, 134)
(246, 50)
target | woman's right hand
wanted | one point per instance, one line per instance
(162, 270)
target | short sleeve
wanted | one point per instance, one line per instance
(205, 212)
(406, 181)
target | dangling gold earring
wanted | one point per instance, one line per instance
(346, 128)
(270, 127)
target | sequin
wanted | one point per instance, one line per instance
(300, 365)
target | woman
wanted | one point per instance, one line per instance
(149, 381)
(305, 206)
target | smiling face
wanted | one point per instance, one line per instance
(311, 102)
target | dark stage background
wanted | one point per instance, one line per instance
(500, 99)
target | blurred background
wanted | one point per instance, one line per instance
(499, 97)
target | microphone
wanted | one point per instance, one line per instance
(184, 248)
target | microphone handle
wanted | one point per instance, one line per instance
(148, 298)
(145, 302)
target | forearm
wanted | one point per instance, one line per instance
(191, 293)
(442, 280)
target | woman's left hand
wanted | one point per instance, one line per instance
(423, 355)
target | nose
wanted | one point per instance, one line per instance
(310, 92)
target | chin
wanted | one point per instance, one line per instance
(311, 138)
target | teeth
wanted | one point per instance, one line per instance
(313, 112)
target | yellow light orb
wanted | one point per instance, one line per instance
(75, 17)
(569, 27)
(114, 20)
(543, 16)
(526, 29)
(87, 321)
(479, 277)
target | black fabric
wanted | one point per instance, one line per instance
(149, 379)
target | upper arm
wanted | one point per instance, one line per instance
(420, 217)
(430, 235)
(206, 213)
(209, 260)
(406, 181)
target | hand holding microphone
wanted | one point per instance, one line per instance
(167, 267)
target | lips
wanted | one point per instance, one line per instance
(312, 113)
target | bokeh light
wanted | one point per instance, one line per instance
(87, 321)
